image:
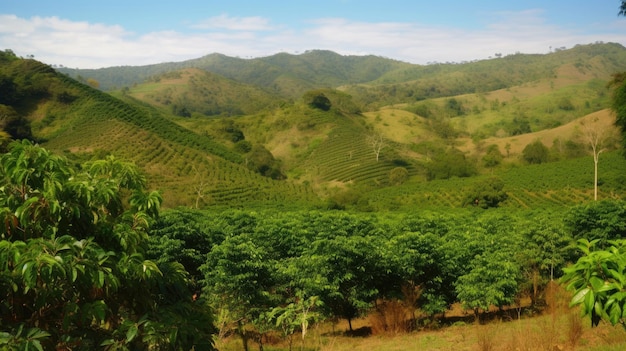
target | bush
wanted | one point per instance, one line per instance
(398, 175)
(536, 153)
(486, 194)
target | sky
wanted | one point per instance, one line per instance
(96, 34)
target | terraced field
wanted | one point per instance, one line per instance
(562, 183)
(347, 156)
(188, 168)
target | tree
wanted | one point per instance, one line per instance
(261, 160)
(536, 152)
(487, 193)
(450, 163)
(72, 268)
(377, 143)
(598, 139)
(317, 99)
(545, 249)
(601, 220)
(239, 279)
(618, 102)
(493, 157)
(398, 175)
(492, 280)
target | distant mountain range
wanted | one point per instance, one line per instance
(310, 128)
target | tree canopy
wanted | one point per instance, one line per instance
(72, 268)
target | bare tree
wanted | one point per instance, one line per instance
(200, 187)
(377, 142)
(598, 138)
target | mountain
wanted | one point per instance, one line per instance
(284, 74)
(75, 120)
(321, 129)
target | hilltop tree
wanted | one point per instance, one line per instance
(317, 99)
(72, 268)
(536, 152)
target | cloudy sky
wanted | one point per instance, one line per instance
(94, 34)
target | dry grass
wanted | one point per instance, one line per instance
(604, 119)
(559, 328)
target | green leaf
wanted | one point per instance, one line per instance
(579, 297)
(37, 345)
(590, 301)
(132, 332)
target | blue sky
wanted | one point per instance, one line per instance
(88, 34)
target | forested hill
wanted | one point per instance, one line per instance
(83, 123)
(284, 74)
(388, 81)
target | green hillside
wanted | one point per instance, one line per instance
(334, 147)
(284, 74)
(196, 91)
(71, 118)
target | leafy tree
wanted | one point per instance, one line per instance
(493, 157)
(398, 175)
(448, 164)
(13, 124)
(350, 267)
(243, 146)
(182, 235)
(261, 160)
(417, 259)
(239, 281)
(72, 268)
(318, 100)
(487, 193)
(492, 280)
(602, 220)
(618, 101)
(544, 249)
(536, 152)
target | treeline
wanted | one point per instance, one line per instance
(260, 270)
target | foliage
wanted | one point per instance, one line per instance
(601, 221)
(536, 152)
(486, 193)
(317, 100)
(73, 272)
(261, 160)
(398, 175)
(493, 157)
(492, 280)
(597, 280)
(448, 164)
(618, 102)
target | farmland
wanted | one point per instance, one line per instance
(399, 207)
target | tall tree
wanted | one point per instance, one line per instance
(598, 139)
(72, 269)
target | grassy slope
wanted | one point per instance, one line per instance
(202, 92)
(324, 150)
(187, 167)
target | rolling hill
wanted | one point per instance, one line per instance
(245, 111)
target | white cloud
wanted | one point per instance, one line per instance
(226, 22)
(88, 45)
